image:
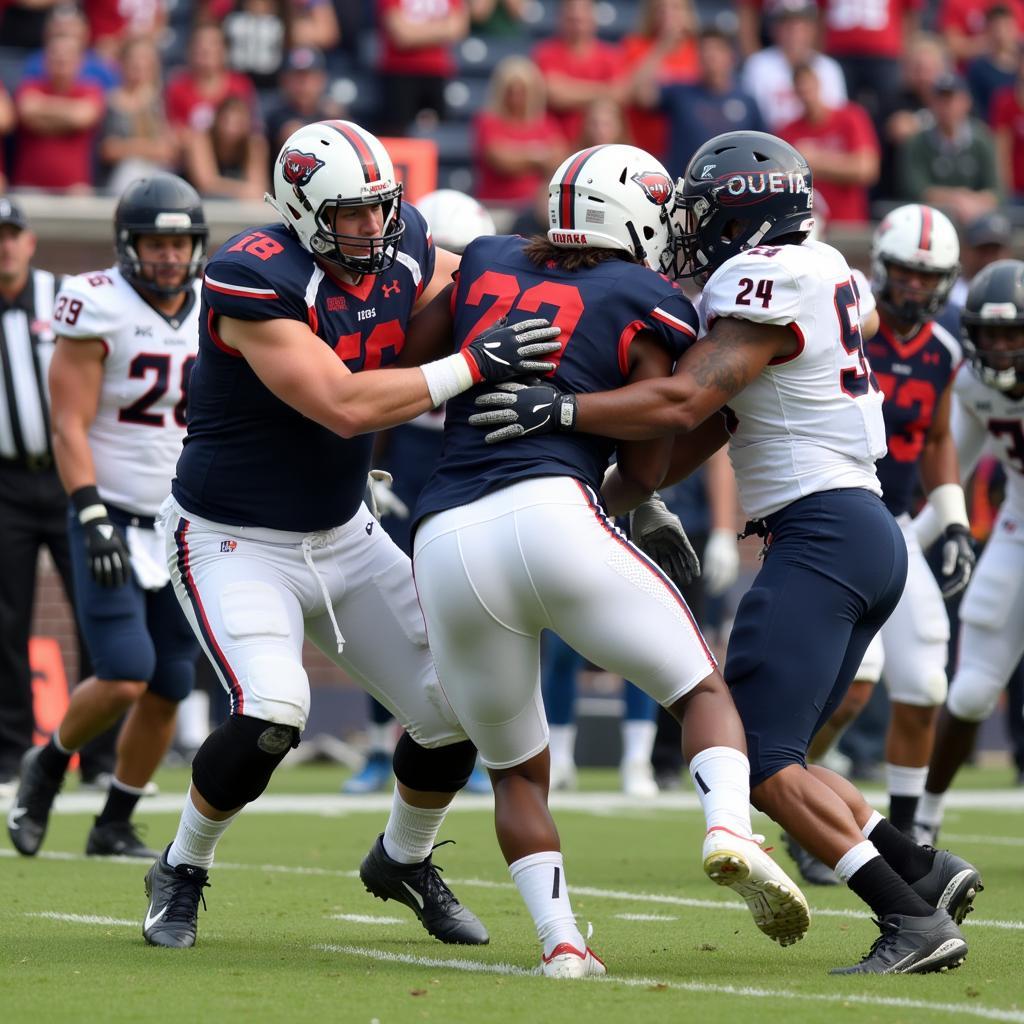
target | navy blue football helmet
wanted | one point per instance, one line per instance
(741, 189)
(162, 204)
(992, 325)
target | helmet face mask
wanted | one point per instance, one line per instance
(740, 190)
(992, 325)
(920, 239)
(160, 205)
(614, 197)
(328, 167)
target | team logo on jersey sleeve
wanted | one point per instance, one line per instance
(657, 186)
(299, 167)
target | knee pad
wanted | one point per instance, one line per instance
(278, 689)
(973, 695)
(173, 679)
(433, 769)
(235, 763)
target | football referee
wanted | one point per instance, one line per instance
(33, 505)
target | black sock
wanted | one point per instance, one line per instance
(901, 812)
(53, 761)
(885, 892)
(119, 806)
(910, 861)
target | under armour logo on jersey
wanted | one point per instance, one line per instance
(391, 289)
(228, 545)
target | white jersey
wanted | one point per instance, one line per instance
(811, 421)
(137, 434)
(985, 415)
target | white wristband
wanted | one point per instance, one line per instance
(91, 512)
(447, 378)
(949, 504)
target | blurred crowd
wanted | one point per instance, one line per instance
(889, 100)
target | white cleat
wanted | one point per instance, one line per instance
(638, 780)
(566, 961)
(779, 907)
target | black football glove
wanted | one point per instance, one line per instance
(958, 560)
(658, 533)
(506, 351)
(105, 548)
(521, 410)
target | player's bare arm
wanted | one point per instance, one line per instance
(640, 465)
(76, 379)
(718, 366)
(429, 334)
(938, 463)
(445, 265)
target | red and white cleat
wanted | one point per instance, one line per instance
(566, 961)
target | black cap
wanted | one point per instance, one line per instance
(989, 229)
(304, 58)
(779, 9)
(950, 81)
(11, 214)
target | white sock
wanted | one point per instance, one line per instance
(721, 777)
(411, 832)
(904, 781)
(930, 808)
(55, 739)
(870, 824)
(540, 879)
(562, 744)
(637, 740)
(382, 737)
(196, 838)
(854, 859)
(116, 783)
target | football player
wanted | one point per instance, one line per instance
(512, 540)
(267, 535)
(126, 345)
(988, 408)
(915, 261)
(781, 354)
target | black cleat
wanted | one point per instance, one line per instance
(812, 870)
(420, 888)
(912, 945)
(117, 839)
(30, 813)
(174, 898)
(951, 885)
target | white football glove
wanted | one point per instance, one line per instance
(721, 561)
(657, 531)
(380, 499)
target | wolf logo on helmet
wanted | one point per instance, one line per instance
(298, 167)
(657, 186)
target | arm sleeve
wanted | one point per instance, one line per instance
(238, 289)
(87, 310)
(755, 288)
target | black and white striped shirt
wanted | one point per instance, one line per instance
(26, 347)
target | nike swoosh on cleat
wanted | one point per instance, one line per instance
(415, 895)
(15, 815)
(150, 921)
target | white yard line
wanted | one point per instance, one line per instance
(623, 895)
(53, 915)
(646, 917)
(983, 840)
(748, 992)
(369, 919)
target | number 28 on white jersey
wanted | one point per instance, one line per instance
(811, 421)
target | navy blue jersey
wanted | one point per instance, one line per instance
(250, 459)
(600, 311)
(912, 375)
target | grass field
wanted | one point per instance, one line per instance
(290, 935)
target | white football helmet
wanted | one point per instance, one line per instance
(613, 197)
(332, 164)
(919, 238)
(455, 219)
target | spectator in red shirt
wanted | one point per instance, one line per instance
(665, 47)
(58, 117)
(1008, 126)
(840, 146)
(6, 124)
(578, 67)
(517, 143)
(193, 93)
(962, 23)
(111, 22)
(416, 57)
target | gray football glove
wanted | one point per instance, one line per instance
(957, 560)
(533, 407)
(657, 532)
(507, 351)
